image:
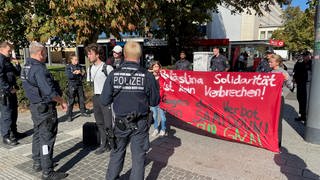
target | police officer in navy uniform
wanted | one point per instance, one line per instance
(8, 97)
(183, 63)
(43, 94)
(75, 74)
(219, 63)
(264, 64)
(132, 90)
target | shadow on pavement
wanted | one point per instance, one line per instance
(75, 159)
(289, 115)
(62, 118)
(292, 166)
(161, 150)
(25, 134)
(75, 115)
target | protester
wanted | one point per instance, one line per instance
(275, 63)
(132, 90)
(75, 74)
(300, 77)
(183, 63)
(98, 73)
(8, 96)
(43, 94)
(116, 60)
(219, 63)
(155, 69)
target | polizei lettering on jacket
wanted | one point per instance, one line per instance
(127, 82)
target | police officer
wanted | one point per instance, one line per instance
(75, 73)
(183, 63)
(300, 77)
(98, 73)
(132, 90)
(42, 92)
(219, 62)
(264, 64)
(8, 97)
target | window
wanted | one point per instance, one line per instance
(270, 34)
(262, 35)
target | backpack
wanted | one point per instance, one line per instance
(104, 70)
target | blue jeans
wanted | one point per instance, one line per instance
(156, 110)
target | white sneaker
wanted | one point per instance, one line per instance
(155, 132)
(162, 133)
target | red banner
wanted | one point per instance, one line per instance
(241, 107)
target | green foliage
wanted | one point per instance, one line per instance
(81, 21)
(298, 29)
(12, 24)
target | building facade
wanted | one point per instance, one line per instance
(244, 27)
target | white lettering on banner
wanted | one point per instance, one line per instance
(187, 89)
(237, 79)
(243, 92)
(184, 79)
(168, 86)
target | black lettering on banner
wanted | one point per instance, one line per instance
(175, 102)
(243, 117)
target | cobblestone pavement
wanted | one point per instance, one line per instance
(184, 153)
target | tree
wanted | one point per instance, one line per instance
(298, 29)
(81, 21)
(12, 24)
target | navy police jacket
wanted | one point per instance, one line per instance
(219, 63)
(131, 89)
(38, 83)
(264, 66)
(8, 73)
(74, 79)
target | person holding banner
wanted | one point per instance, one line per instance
(155, 69)
(275, 63)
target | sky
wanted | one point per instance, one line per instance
(301, 3)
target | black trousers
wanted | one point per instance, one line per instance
(9, 115)
(280, 122)
(302, 98)
(73, 92)
(139, 139)
(103, 117)
(45, 127)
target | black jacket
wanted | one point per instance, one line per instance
(75, 79)
(131, 89)
(8, 73)
(38, 83)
